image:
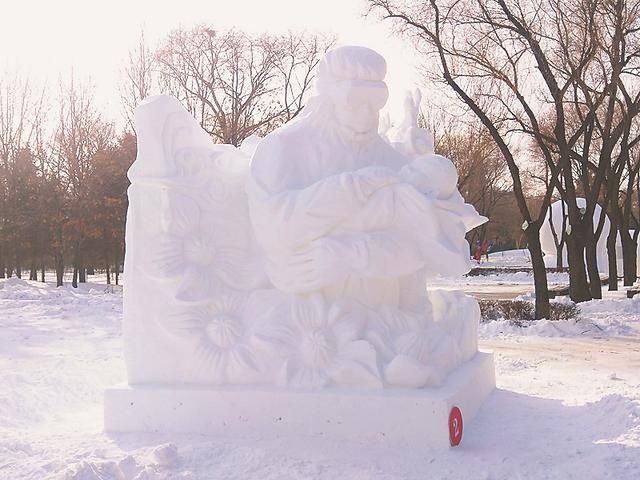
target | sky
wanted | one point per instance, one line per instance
(44, 39)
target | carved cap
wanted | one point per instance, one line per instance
(350, 63)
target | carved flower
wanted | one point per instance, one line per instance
(318, 346)
(205, 250)
(221, 334)
(415, 351)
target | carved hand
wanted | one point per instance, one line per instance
(371, 179)
(327, 262)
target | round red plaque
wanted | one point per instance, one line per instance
(455, 426)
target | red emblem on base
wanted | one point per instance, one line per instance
(455, 426)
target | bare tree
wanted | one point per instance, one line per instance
(236, 84)
(81, 133)
(139, 79)
(296, 58)
(21, 110)
(625, 204)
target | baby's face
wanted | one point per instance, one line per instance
(441, 172)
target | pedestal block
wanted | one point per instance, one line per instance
(417, 417)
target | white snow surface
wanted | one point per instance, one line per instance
(567, 405)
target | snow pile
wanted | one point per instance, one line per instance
(158, 465)
(608, 317)
(510, 258)
(608, 326)
(514, 278)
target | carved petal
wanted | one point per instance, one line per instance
(240, 365)
(225, 230)
(166, 257)
(347, 322)
(405, 371)
(417, 344)
(308, 313)
(238, 269)
(215, 363)
(199, 285)
(382, 344)
(297, 375)
(221, 335)
(182, 215)
(357, 365)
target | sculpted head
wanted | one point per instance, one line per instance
(350, 89)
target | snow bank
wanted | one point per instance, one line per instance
(610, 317)
(557, 328)
(513, 258)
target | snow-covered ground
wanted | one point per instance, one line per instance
(567, 404)
(504, 284)
(508, 258)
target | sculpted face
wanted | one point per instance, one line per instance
(357, 106)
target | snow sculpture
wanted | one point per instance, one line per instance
(547, 240)
(299, 261)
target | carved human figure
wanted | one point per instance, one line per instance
(338, 210)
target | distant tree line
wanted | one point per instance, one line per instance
(62, 183)
(63, 164)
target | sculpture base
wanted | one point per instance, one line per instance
(405, 417)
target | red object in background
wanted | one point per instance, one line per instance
(455, 426)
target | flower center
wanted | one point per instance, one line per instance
(224, 330)
(197, 250)
(317, 348)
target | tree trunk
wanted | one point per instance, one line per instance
(33, 273)
(42, 279)
(539, 272)
(612, 254)
(578, 285)
(9, 272)
(559, 262)
(74, 280)
(18, 267)
(117, 268)
(2, 267)
(59, 270)
(612, 257)
(558, 242)
(591, 256)
(108, 270)
(629, 254)
(82, 274)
